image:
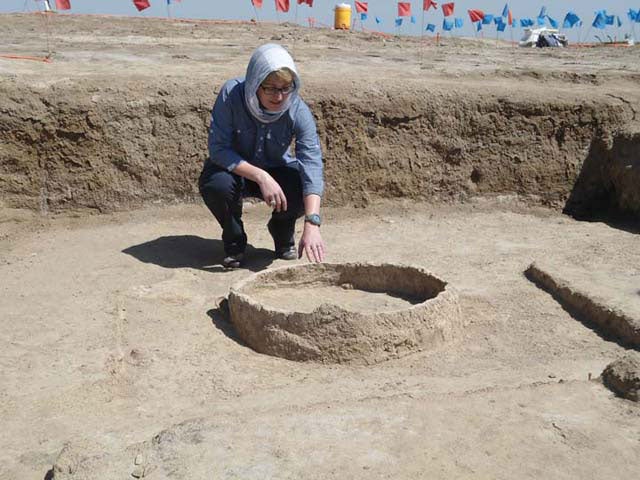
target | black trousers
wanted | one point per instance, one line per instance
(223, 192)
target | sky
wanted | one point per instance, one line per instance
(322, 12)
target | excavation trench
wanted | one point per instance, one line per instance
(92, 145)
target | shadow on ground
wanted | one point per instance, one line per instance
(221, 319)
(191, 251)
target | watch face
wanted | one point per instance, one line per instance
(313, 219)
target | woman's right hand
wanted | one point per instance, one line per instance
(272, 194)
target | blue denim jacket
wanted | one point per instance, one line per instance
(235, 135)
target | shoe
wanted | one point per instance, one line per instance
(233, 261)
(287, 253)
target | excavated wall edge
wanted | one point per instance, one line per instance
(113, 147)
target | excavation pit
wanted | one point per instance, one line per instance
(344, 313)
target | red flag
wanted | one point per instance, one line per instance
(63, 4)
(141, 4)
(282, 5)
(447, 8)
(257, 3)
(510, 18)
(362, 7)
(427, 4)
(308, 2)
(475, 15)
(404, 9)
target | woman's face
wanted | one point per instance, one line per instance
(273, 92)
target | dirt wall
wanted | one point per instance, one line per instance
(451, 145)
(609, 181)
(116, 145)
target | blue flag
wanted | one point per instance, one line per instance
(610, 19)
(398, 21)
(515, 23)
(570, 20)
(413, 19)
(378, 20)
(479, 27)
(543, 12)
(459, 22)
(600, 21)
(501, 26)
(552, 22)
(540, 21)
(447, 24)
(431, 27)
(363, 16)
(632, 14)
(505, 10)
(488, 18)
(619, 22)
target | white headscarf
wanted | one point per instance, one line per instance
(264, 60)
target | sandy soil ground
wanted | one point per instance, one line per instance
(112, 335)
(117, 359)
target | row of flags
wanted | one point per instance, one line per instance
(139, 4)
(282, 5)
(601, 21)
(480, 18)
(448, 10)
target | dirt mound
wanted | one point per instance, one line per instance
(623, 377)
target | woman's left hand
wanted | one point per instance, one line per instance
(311, 244)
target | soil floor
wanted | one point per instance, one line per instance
(117, 358)
(112, 334)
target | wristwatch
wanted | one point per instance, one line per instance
(313, 219)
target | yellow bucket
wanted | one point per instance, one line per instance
(342, 17)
